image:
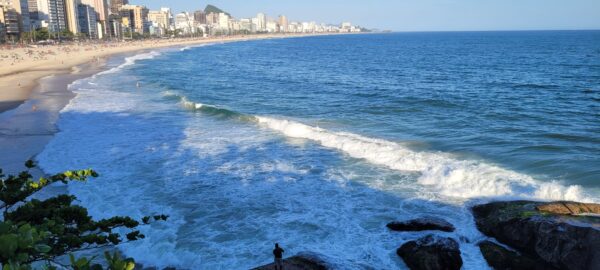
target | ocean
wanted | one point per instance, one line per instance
(317, 142)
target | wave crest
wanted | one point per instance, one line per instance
(440, 171)
(130, 61)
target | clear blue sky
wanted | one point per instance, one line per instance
(415, 15)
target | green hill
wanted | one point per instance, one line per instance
(213, 9)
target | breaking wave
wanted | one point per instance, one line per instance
(442, 172)
(130, 61)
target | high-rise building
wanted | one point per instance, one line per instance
(71, 13)
(57, 20)
(283, 23)
(115, 5)
(182, 22)
(212, 18)
(9, 22)
(33, 13)
(2, 26)
(159, 18)
(15, 17)
(200, 17)
(272, 26)
(87, 21)
(101, 9)
(262, 22)
(114, 27)
(224, 21)
(138, 16)
(169, 16)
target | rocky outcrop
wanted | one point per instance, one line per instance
(421, 224)
(548, 232)
(302, 261)
(431, 252)
(568, 208)
(500, 258)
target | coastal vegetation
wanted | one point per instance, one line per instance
(42, 232)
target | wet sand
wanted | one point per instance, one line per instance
(25, 130)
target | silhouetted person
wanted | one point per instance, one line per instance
(278, 253)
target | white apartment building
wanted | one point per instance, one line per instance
(261, 22)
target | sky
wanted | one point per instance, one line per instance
(415, 15)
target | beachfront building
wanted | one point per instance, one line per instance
(115, 6)
(88, 21)
(212, 18)
(9, 21)
(15, 18)
(2, 28)
(182, 23)
(71, 13)
(224, 22)
(159, 21)
(101, 9)
(114, 26)
(137, 17)
(283, 23)
(261, 22)
(51, 14)
(199, 17)
(33, 14)
(246, 26)
(170, 17)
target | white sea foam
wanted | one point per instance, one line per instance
(196, 46)
(130, 61)
(440, 171)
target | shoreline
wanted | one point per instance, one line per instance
(28, 116)
(19, 79)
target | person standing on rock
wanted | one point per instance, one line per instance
(278, 253)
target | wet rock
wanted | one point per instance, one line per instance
(302, 261)
(501, 258)
(542, 232)
(431, 252)
(422, 224)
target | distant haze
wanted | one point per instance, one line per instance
(424, 15)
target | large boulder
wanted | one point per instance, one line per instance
(500, 258)
(422, 224)
(430, 253)
(544, 231)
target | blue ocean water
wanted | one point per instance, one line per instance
(318, 142)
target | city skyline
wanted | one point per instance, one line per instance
(429, 15)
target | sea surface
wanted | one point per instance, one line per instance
(318, 142)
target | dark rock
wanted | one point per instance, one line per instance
(421, 224)
(431, 252)
(533, 228)
(303, 261)
(501, 258)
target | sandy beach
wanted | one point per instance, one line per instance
(34, 82)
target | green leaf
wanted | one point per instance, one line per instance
(8, 244)
(130, 266)
(42, 248)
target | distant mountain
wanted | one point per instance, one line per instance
(213, 9)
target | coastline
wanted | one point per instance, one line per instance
(18, 79)
(28, 116)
